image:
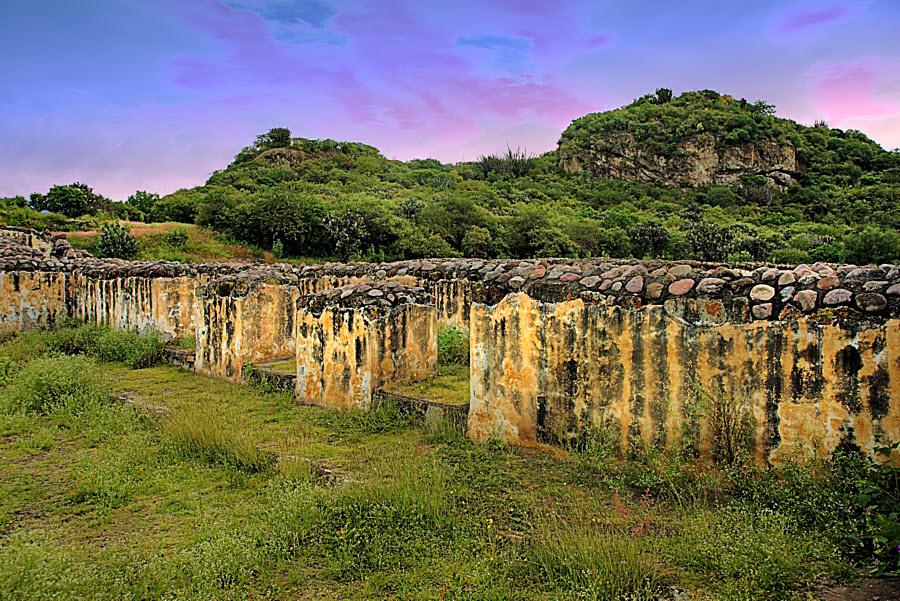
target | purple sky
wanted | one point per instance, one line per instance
(154, 95)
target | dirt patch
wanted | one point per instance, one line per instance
(868, 589)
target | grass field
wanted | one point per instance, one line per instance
(154, 483)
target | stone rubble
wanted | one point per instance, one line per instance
(745, 291)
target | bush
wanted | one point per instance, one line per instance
(453, 345)
(45, 384)
(177, 237)
(115, 241)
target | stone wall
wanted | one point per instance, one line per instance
(237, 324)
(32, 299)
(557, 344)
(542, 371)
(137, 303)
(353, 340)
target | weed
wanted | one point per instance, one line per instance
(205, 434)
(453, 345)
(730, 423)
(45, 384)
(575, 553)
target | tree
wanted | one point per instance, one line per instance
(64, 200)
(649, 238)
(277, 137)
(143, 201)
(663, 95)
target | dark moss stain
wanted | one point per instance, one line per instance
(774, 344)
(879, 392)
(659, 364)
(847, 363)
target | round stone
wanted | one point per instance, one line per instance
(654, 290)
(806, 299)
(570, 277)
(710, 285)
(895, 289)
(590, 281)
(616, 286)
(681, 287)
(787, 278)
(517, 281)
(635, 284)
(680, 271)
(375, 292)
(828, 282)
(839, 296)
(762, 311)
(762, 292)
(870, 302)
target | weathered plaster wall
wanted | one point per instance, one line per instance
(162, 304)
(234, 329)
(541, 371)
(32, 299)
(345, 354)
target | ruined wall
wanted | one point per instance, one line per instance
(237, 324)
(361, 338)
(128, 303)
(541, 371)
(32, 299)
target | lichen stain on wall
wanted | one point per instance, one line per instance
(343, 355)
(32, 299)
(542, 371)
(234, 330)
(165, 305)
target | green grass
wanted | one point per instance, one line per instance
(449, 385)
(180, 486)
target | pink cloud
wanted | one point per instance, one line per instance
(799, 22)
(855, 89)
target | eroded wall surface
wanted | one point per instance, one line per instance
(541, 371)
(235, 329)
(345, 354)
(165, 305)
(32, 299)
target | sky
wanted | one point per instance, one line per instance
(155, 95)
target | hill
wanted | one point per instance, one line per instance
(697, 176)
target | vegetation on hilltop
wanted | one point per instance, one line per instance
(323, 198)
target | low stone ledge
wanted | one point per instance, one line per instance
(183, 358)
(279, 380)
(434, 413)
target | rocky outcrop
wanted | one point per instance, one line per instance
(697, 162)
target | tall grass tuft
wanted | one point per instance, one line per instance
(205, 434)
(579, 556)
(48, 383)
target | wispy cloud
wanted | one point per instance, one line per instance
(512, 54)
(863, 88)
(804, 21)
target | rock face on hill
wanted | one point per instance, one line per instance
(697, 162)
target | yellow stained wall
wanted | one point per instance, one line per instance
(343, 355)
(31, 299)
(162, 304)
(541, 371)
(233, 331)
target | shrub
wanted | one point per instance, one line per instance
(115, 241)
(44, 384)
(453, 345)
(177, 237)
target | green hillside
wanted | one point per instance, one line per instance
(344, 200)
